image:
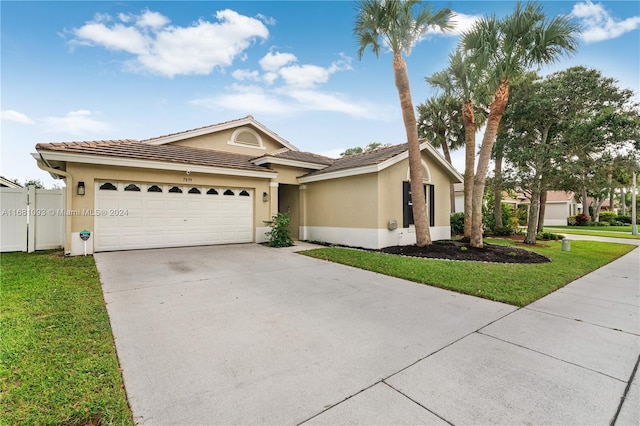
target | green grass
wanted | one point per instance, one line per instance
(57, 357)
(515, 284)
(595, 231)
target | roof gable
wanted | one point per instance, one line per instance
(214, 128)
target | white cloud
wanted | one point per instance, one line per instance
(171, 50)
(75, 122)
(152, 20)
(245, 75)
(598, 25)
(463, 23)
(18, 117)
(304, 75)
(274, 61)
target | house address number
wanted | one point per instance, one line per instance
(187, 179)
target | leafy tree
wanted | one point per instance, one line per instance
(359, 150)
(394, 24)
(506, 48)
(35, 182)
(440, 122)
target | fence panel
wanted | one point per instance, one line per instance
(13, 221)
(48, 219)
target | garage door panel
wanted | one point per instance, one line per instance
(163, 219)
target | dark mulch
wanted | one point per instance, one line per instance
(455, 250)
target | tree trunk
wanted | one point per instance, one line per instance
(543, 208)
(534, 212)
(623, 201)
(447, 156)
(497, 188)
(583, 190)
(421, 220)
(496, 110)
(611, 188)
(470, 127)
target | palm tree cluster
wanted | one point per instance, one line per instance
(475, 85)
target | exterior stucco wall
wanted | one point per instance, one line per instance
(288, 174)
(89, 174)
(349, 202)
(289, 203)
(218, 142)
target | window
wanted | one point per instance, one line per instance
(407, 205)
(212, 191)
(194, 191)
(132, 187)
(244, 193)
(176, 190)
(154, 188)
(108, 186)
(246, 137)
(229, 192)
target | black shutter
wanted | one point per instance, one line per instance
(407, 210)
(432, 203)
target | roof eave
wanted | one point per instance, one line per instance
(152, 164)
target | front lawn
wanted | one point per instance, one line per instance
(57, 357)
(516, 284)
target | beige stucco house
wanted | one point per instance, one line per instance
(219, 184)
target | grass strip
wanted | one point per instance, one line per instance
(58, 363)
(593, 233)
(515, 284)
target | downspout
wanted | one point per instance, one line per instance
(43, 165)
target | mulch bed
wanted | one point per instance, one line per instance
(459, 250)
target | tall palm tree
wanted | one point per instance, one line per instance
(394, 24)
(440, 121)
(465, 80)
(507, 48)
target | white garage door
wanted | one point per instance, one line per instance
(132, 215)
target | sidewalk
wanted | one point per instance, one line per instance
(569, 358)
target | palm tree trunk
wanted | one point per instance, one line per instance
(496, 111)
(421, 220)
(497, 188)
(447, 156)
(470, 127)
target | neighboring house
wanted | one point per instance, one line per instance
(219, 184)
(6, 183)
(560, 204)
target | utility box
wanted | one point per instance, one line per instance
(566, 245)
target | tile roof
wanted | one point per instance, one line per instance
(308, 157)
(360, 160)
(129, 148)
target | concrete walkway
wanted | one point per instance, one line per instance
(251, 335)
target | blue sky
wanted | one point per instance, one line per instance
(133, 69)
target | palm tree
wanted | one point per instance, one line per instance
(393, 24)
(507, 48)
(440, 121)
(466, 81)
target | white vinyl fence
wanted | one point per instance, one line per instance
(31, 219)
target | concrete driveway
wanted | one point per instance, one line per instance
(246, 334)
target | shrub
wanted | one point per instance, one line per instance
(616, 223)
(624, 218)
(280, 234)
(549, 236)
(571, 221)
(522, 214)
(582, 219)
(457, 223)
(600, 224)
(608, 216)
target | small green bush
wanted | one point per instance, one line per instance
(616, 223)
(549, 236)
(457, 223)
(280, 234)
(608, 216)
(599, 224)
(571, 221)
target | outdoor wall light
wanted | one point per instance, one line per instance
(265, 197)
(80, 188)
